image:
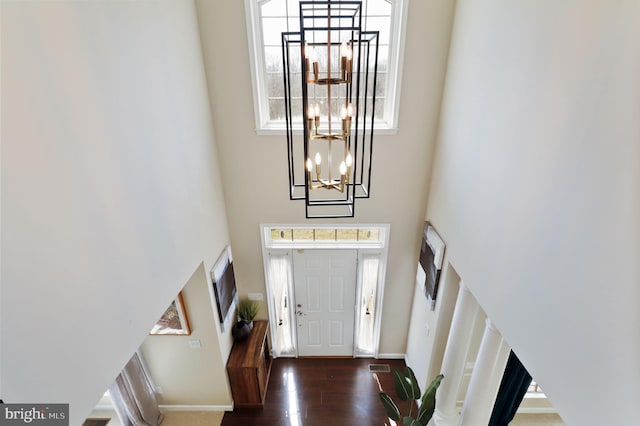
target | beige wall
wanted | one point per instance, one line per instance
(191, 376)
(255, 168)
(111, 195)
(535, 191)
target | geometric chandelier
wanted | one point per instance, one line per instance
(330, 73)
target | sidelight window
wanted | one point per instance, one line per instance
(279, 282)
(369, 274)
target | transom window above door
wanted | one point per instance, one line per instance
(319, 236)
(267, 19)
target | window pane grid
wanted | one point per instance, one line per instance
(277, 16)
(325, 235)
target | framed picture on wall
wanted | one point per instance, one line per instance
(174, 321)
(430, 263)
(224, 286)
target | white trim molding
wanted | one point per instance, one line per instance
(392, 356)
(173, 407)
(537, 410)
(196, 407)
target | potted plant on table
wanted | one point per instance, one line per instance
(247, 311)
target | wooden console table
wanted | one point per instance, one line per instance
(249, 367)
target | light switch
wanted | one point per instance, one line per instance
(255, 296)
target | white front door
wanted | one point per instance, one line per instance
(325, 293)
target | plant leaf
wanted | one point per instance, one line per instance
(415, 387)
(408, 421)
(428, 405)
(400, 382)
(434, 385)
(390, 407)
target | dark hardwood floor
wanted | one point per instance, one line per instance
(322, 391)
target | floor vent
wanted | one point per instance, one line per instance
(379, 368)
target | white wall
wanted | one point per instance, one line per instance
(110, 187)
(535, 190)
(429, 329)
(420, 336)
(255, 167)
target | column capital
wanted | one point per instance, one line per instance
(491, 326)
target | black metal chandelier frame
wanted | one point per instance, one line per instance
(350, 83)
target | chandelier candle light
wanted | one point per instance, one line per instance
(335, 61)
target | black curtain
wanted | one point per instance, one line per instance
(514, 385)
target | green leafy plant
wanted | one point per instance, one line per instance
(407, 387)
(247, 310)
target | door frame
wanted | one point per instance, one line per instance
(379, 247)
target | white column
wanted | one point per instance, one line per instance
(455, 356)
(486, 377)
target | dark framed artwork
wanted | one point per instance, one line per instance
(430, 264)
(224, 285)
(174, 321)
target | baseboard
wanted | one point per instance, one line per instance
(391, 356)
(537, 410)
(176, 407)
(105, 407)
(196, 407)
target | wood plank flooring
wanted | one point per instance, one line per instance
(322, 391)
